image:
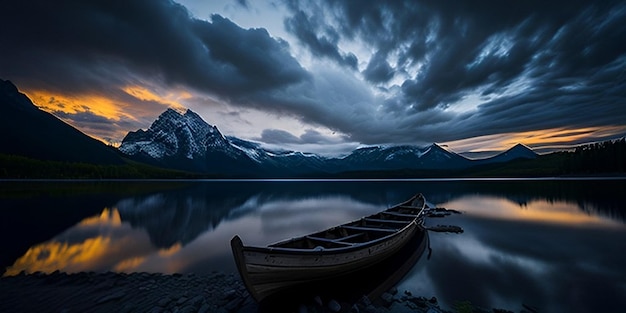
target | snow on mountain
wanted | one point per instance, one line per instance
(173, 134)
(252, 149)
(186, 141)
(403, 157)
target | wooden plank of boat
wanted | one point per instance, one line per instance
(327, 254)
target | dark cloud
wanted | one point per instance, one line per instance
(378, 70)
(243, 3)
(277, 136)
(530, 64)
(313, 136)
(321, 41)
(76, 45)
(443, 70)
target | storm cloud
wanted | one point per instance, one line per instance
(310, 136)
(377, 73)
(76, 45)
(497, 66)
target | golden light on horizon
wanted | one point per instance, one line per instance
(171, 99)
(107, 117)
(536, 138)
(74, 104)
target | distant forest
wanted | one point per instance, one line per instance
(19, 167)
(601, 159)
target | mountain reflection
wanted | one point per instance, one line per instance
(556, 245)
(187, 228)
(97, 243)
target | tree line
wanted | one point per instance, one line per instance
(19, 167)
(600, 157)
(607, 157)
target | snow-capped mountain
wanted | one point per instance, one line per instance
(403, 157)
(185, 141)
(175, 134)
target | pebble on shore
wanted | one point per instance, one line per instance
(155, 293)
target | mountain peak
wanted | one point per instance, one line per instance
(10, 95)
(521, 148)
(519, 151)
(8, 86)
(175, 134)
(436, 146)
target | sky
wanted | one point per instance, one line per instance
(329, 76)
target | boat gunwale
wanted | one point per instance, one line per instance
(238, 248)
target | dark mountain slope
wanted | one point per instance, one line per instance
(28, 131)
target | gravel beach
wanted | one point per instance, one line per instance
(147, 292)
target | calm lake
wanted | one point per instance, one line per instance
(557, 245)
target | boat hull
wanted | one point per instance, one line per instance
(267, 273)
(270, 270)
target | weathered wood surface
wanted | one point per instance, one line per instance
(337, 251)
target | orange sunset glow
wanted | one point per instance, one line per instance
(133, 105)
(115, 110)
(117, 247)
(560, 138)
(311, 79)
(243, 156)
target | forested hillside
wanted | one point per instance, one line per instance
(601, 157)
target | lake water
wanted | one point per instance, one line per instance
(557, 245)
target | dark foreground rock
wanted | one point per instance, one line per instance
(156, 293)
(118, 292)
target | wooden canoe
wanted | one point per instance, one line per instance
(330, 253)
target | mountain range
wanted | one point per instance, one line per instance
(184, 141)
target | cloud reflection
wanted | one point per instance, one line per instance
(548, 254)
(538, 210)
(303, 216)
(556, 245)
(97, 243)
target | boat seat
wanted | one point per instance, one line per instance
(377, 220)
(399, 214)
(371, 229)
(328, 240)
(350, 236)
(339, 240)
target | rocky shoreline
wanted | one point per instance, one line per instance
(153, 293)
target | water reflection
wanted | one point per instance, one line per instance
(538, 210)
(549, 254)
(556, 245)
(183, 231)
(98, 243)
